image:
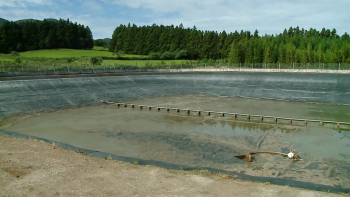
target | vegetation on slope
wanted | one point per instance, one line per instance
(47, 34)
(292, 46)
(2, 21)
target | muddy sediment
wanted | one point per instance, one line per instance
(199, 141)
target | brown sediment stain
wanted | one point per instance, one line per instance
(15, 169)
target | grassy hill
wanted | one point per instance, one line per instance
(107, 40)
(102, 42)
(26, 20)
(42, 56)
(33, 20)
(2, 21)
(64, 53)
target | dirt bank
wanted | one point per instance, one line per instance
(34, 168)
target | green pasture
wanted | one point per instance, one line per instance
(100, 48)
(142, 63)
(6, 59)
(66, 53)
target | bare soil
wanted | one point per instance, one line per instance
(35, 168)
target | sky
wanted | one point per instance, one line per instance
(267, 16)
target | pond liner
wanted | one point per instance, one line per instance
(171, 166)
(36, 94)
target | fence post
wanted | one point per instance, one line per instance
(323, 66)
(205, 65)
(279, 66)
(339, 66)
(293, 66)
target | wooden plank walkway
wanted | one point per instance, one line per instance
(234, 115)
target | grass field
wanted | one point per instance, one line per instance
(145, 62)
(100, 48)
(64, 53)
(6, 60)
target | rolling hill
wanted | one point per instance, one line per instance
(2, 21)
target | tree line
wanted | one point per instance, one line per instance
(46, 34)
(294, 45)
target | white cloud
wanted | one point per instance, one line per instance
(265, 15)
(19, 13)
(268, 16)
(23, 3)
(92, 5)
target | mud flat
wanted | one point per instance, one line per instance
(202, 141)
(35, 168)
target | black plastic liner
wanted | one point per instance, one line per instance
(27, 95)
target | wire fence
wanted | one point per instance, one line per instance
(27, 67)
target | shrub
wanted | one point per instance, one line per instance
(168, 56)
(182, 54)
(154, 56)
(18, 60)
(95, 60)
(15, 53)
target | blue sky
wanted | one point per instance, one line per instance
(268, 16)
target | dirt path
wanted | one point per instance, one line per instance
(33, 168)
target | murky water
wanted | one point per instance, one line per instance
(208, 141)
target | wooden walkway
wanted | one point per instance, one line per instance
(248, 117)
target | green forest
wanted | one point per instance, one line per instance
(159, 42)
(294, 45)
(46, 34)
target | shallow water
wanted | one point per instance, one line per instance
(207, 141)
